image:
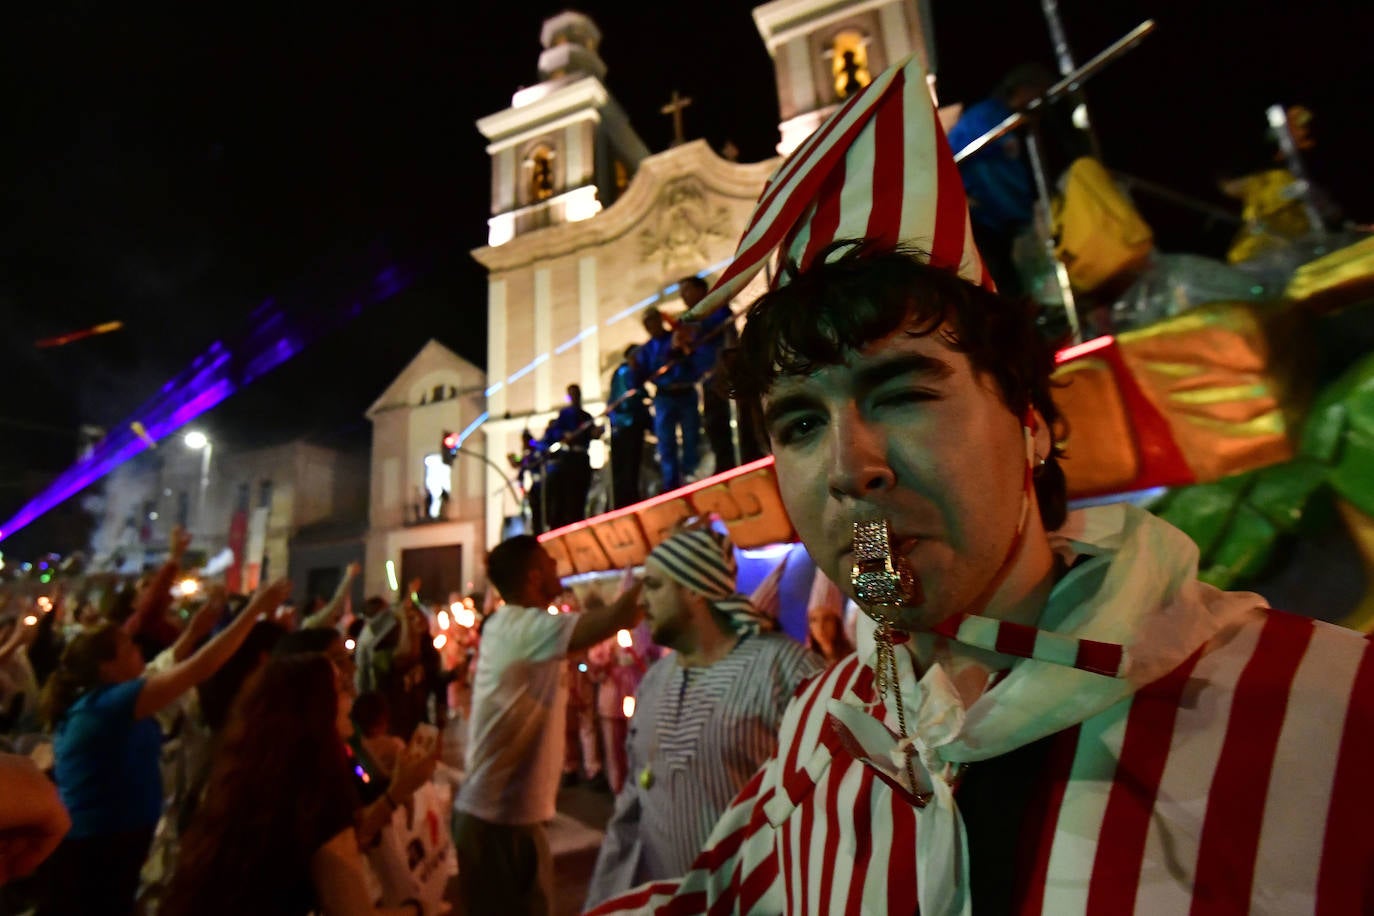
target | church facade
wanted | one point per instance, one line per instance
(587, 230)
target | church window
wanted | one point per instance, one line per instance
(541, 180)
(849, 63)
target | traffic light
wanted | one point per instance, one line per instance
(448, 447)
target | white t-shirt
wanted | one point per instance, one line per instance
(519, 701)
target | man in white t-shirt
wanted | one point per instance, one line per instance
(515, 748)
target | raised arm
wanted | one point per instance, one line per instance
(152, 605)
(331, 613)
(412, 771)
(600, 621)
(200, 625)
(19, 636)
(165, 686)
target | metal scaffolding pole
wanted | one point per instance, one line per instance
(1278, 122)
(1063, 56)
(1061, 273)
(1070, 83)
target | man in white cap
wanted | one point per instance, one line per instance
(1046, 713)
(706, 716)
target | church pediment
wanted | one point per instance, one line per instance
(675, 205)
(436, 373)
(682, 224)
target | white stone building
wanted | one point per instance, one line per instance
(425, 515)
(251, 501)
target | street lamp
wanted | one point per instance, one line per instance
(199, 442)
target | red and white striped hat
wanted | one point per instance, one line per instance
(878, 168)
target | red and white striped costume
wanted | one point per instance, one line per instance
(1224, 773)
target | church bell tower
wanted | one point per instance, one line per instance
(824, 51)
(564, 149)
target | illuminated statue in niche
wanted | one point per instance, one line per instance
(541, 174)
(849, 63)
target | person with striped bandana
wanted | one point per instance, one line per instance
(1046, 713)
(706, 715)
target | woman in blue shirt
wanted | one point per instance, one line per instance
(107, 743)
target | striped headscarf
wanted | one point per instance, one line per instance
(703, 560)
(879, 168)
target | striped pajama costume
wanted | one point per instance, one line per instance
(701, 734)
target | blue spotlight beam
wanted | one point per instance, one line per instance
(276, 333)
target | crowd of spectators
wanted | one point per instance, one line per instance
(205, 752)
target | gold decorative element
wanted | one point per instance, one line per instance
(541, 179)
(1100, 448)
(1221, 394)
(1340, 278)
(683, 225)
(1273, 213)
(1228, 415)
(849, 63)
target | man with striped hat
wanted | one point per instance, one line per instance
(1046, 712)
(706, 715)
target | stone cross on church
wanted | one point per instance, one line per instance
(674, 108)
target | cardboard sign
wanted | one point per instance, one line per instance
(415, 858)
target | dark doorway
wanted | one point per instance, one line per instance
(439, 569)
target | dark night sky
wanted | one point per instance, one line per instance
(171, 170)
